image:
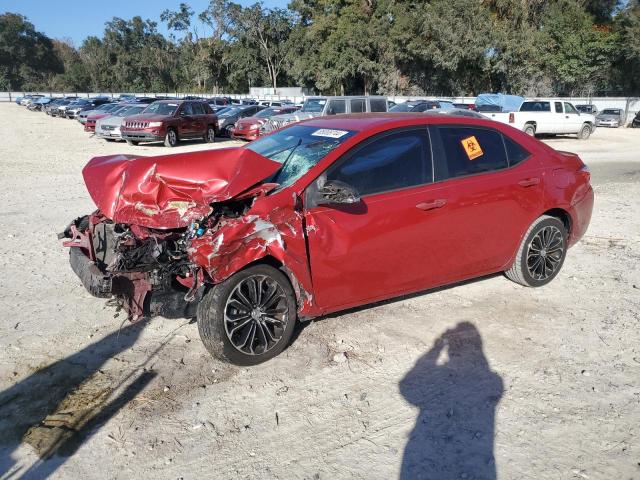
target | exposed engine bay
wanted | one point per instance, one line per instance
(148, 271)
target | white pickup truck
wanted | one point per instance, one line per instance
(548, 117)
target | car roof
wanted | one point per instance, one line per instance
(364, 121)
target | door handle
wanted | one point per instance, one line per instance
(529, 182)
(431, 205)
(566, 116)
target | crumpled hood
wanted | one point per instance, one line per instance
(171, 191)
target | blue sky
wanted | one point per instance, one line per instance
(77, 19)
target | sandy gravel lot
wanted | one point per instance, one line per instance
(545, 382)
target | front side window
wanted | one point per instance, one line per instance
(377, 105)
(187, 109)
(469, 150)
(357, 105)
(568, 108)
(394, 161)
(336, 107)
(298, 148)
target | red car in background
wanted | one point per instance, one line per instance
(248, 128)
(90, 123)
(321, 216)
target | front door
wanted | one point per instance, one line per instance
(382, 246)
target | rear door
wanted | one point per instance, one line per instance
(199, 118)
(493, 192)
(383, 246)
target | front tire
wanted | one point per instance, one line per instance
(249, 318)
(541, 253)
(132, 142)
(585, 132)
(171, 138)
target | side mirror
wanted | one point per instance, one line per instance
(337, 193)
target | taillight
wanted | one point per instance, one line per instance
(512, 118)
(585, 172)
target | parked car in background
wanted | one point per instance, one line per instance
(548, 117)
(85, 104)
(170, 121)
(57, 107)
(108, 126)
(610, 117)
(248, 128)
(323, 216)
(100, 110)
(39, 104)
(326, 106)
(636, 121)
(228, 117)
(27, 99)
(465, 106)
(587, 109)
(415, 106)
(19, 99)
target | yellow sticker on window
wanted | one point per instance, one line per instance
(472, 147)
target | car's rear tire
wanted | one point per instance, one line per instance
(171, 138)
(210, 134)
(541, 254)
(132, 142)
(250, 317)
(530, 129)
(585, 131)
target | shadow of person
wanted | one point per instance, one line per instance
(457, 394)
(58, 407)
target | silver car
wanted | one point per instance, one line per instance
(109, 127)
(321, 106)
(105, 108)
(610, 117)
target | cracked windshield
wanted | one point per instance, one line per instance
(298, 148)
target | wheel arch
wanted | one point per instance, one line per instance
(562, 215)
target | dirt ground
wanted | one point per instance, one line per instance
(461, 382)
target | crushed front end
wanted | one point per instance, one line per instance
(147, 272)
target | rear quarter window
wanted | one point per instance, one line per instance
(377, 105)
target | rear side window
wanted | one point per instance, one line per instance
(357, 105)
(558, 106)
(378, 105)
(515, 153)
(335, 107)
(198, 109)
(394, 161)
(469, 150)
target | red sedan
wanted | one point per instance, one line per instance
(321, 216)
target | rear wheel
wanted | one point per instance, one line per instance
(585, 131)
(171, 138)
(530, 129)
(249, 318)
(541, 253)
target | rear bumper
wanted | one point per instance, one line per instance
(580, 213)
(141, 297)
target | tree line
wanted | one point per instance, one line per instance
(393, 47)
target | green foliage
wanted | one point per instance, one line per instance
(442, 47)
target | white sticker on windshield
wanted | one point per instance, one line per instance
(327, 132)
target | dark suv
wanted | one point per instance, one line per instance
(170, 121)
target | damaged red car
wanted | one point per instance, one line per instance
(321, 216)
